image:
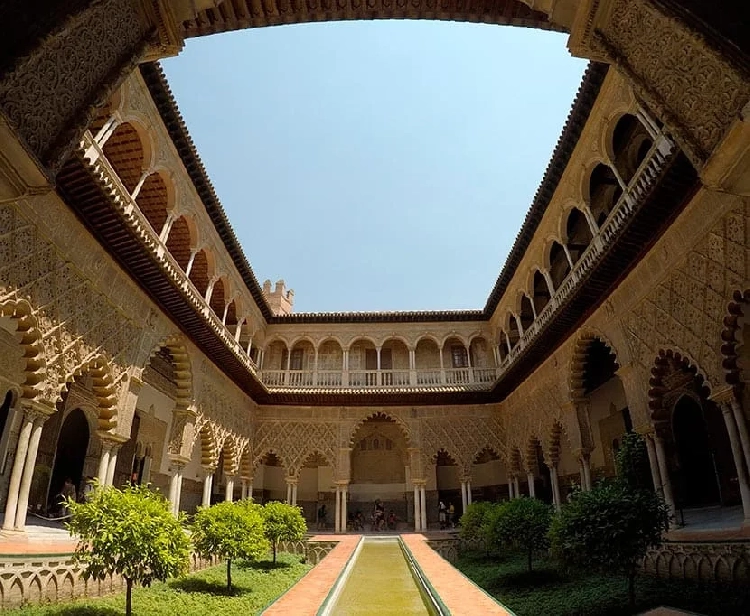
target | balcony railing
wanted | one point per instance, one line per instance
(378, 378)
(132, 216)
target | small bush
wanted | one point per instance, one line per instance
(231, 531)
(522, 523)
(283, 522)
(130, 531)
(474, 521)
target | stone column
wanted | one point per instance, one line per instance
(464, 502)
(207, 485)
(666, 482)
(584, 460)
(112, 464)
(532, 486)
(288, 492)
(244, 488)
(337, 514)
(653, 463)
(104, 461)
(37, 418)
(739, 418)
(175, 485)
(556, 501)
(294, 494)
(510, 488)
(468, 492)
(344, 491)
(15, 477)
(739, 458)
(412, 367)
(423, 506)
(417, 509)
(516, 487)
(229, 489)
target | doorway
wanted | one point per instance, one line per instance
(70, 454)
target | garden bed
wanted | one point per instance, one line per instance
(548, 590)
(255, 586)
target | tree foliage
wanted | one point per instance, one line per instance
(632, 462)
(522, 523)
(283, 522)
(230, 530)
(612, 526)
(474, 521)
(131, 532)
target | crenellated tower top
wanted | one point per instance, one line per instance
(280, 301)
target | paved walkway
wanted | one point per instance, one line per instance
(460, 595)
(307, 595)
(40, 537)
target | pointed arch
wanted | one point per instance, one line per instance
(578, 360)
(104, 385)
(381, 416)
(30, 338)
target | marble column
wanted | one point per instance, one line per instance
(556, 501)
(337, 516)
(423, 506)
(22, 448)
(28, 469)
(666, 482)
(417, 509)
(464, 502)
(510, 489)
(653, 464)
(739, 418)
(532, 486)
(344, 491)
(468, 492)
(229, 489)
(294, 494)
(739, 458)
(584, 461)
(104, 462)
(207, 485)
(288, 492)
(112, 464)
(175, 486)
(244, 488)
(516, 487)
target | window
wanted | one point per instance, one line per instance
(295, 361)
(459, 356)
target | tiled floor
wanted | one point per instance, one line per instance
(305, 597)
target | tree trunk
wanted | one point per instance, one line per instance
(631, 588)
(274, 551)
(229, 574)
(530, 553)
(128, 597)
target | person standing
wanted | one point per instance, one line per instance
(442, 515)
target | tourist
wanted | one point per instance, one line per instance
(391, 520)
(68, 492)
(88, 488)
(442, 515)
(451, 515)
(322, 513)
(378, 517)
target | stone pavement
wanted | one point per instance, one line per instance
(40, 537)
(460, 595)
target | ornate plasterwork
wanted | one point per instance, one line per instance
(294, 441)
(67, 325)
(688, 83)
(51, 92)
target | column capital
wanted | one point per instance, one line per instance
(723, 396)
(418, 483)
(291, 481)
(209, 470)
(111, 441)
(582, 452)
(341, 483)
(36, 411)
(178, 461)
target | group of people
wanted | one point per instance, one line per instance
(68, 491)
(356, 521)
(446, 515)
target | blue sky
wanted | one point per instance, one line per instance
(377, 165)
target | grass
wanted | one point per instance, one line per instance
(255, 585)
(547, 590)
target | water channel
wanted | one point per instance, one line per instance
(380, 581)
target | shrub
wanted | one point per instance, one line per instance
(475, 519)
(632, 463)
(283, 522)
(131, 532)
(230, 531)
(522, 523)
(610, 528)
